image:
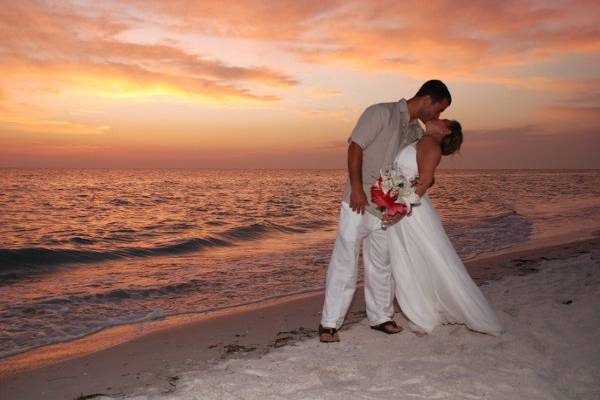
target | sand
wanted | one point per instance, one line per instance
(550, 351)
(547, 298)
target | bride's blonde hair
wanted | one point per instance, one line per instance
(451, 143)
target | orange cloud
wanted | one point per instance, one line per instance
(556, 84)
(464, 39)
(24, 117)
(320, 92)
(168, 58)
(35, 120)
(51, 126)
(342, 113)
(473, 41)
(64, 43)
(276, 21)
(123, 80)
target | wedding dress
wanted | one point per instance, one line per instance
(433, 286)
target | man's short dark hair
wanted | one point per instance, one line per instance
(436, 89)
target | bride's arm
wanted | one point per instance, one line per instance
(429, 155)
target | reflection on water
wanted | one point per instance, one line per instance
(85, 249)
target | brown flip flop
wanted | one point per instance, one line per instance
(389, 327)
(325, 332)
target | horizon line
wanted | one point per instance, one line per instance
(290, 169)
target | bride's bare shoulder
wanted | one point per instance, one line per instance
(429, 154)
(429, 145)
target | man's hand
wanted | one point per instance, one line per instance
(358, 201)
(358, 198)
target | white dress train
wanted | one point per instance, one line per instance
(433, 286)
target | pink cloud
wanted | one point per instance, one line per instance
(465, 39)
(283, 20)
(527, 147)
(590, 115)
(474, 41)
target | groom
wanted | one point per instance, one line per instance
(382, 130)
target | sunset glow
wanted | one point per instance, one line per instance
(259, 84)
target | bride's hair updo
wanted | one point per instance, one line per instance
(451, 142)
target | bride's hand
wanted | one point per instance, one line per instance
(389, 220)
(420, 187)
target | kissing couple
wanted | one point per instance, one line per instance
(408, 257)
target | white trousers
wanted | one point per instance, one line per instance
(343, 270)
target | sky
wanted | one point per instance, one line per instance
(281, 84)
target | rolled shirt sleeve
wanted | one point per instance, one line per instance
(368, 127)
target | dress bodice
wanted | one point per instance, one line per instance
(406, 161)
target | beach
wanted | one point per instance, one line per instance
(175, 180)
(546, 293)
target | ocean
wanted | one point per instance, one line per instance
(83, 250)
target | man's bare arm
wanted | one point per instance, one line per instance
(358, 198)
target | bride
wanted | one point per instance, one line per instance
(433, 286)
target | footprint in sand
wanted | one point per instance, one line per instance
(412, 381)
(255, 372)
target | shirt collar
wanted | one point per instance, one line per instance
(405, 114)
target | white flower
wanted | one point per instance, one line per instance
(393, 182)
(407, 193)
(387, 185)
(399, 180)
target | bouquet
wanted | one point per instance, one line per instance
(393, 193)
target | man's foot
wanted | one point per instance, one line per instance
(389, 327)
(328, 335)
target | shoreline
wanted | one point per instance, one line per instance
(114, 335)
(123, 359)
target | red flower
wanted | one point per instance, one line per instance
(387, 201)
